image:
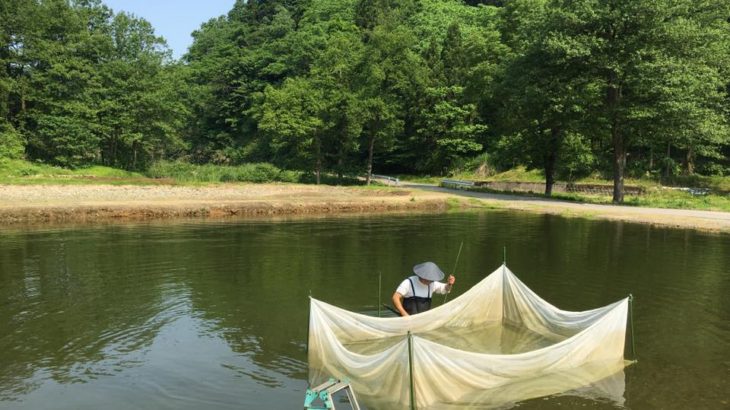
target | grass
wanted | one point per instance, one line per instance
(714, 183)
(673, 199)
(656, 195)
(453, 203)
(655, 198)
(19, 172)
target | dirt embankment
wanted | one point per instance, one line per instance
(82, 203)
(91, 203)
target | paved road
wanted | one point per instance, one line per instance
(684, 218)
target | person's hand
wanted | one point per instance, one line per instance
(451, 280)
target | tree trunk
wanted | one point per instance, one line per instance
(689, 166)
(113, 156)
(318, 160)
(613, 99)
(667, 169)
(651, 158)
(551, 157)
(340, 166)
(619, 164)
(370, 158)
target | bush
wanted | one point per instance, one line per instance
(186, 172)
(576, 158)
(11, 142)
(480, 166)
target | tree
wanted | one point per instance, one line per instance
(632, 49)
(140, 108)
(447, 129)
(60, 111)
(291, 117)
(79, 85)
(543, 95)
(334, 73)
(231, 62)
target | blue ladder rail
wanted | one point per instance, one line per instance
(324, 393)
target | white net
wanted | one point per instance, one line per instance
(497, 343)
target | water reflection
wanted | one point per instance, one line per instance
(214, 315)
(64, 319)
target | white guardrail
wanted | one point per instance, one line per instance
(390, 180)
(457, 184)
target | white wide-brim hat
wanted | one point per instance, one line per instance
(428, 271)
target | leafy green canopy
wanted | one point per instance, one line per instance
(345, 87)
(82, 85)
(333, 86)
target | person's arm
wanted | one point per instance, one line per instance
(445, 288)
(398, 303)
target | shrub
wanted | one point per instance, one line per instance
(186, 172)
(11, 142)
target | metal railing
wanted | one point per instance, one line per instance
(456, 183)
(392, 180)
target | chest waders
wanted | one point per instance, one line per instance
(417, 304)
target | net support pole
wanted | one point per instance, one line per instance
(380, 287)
(631, 323)
(309, 318)
(410, 371)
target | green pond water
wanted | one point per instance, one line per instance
(213, 315)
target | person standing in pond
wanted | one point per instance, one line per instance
(413, 295)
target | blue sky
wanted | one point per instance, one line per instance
(174, 19)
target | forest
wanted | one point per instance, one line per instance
(615, 88)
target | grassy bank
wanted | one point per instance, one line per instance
(706, 193)
(19, 172)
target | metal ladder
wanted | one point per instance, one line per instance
(324, 393)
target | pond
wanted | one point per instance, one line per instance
(214, 314)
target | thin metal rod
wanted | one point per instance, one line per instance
(397, 313)
(309, 318)
(631, 321)
(505, 254)
(410, 370)
(455, 265)
(380, 287)
(457, 258)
